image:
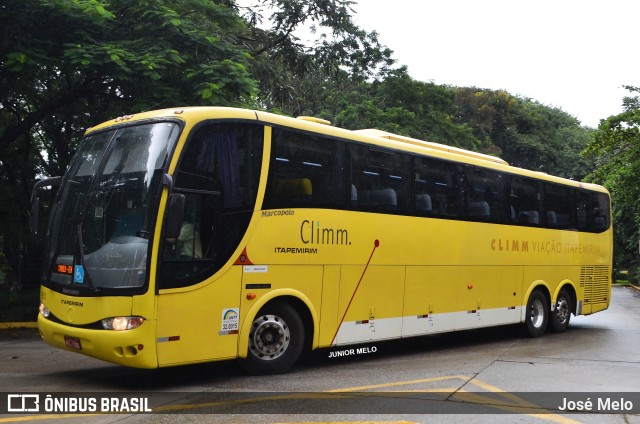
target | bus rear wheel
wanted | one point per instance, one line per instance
(562, 312)
(276, 340)
(537, 314)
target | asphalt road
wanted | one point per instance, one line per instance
(493, 375)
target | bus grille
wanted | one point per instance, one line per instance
(595, 281)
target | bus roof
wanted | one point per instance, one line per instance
(195, 114)
(437, 146)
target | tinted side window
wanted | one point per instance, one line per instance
(485, 195)
(582, 210)
(218, 174)
(223, 158)
(437, 192)
(305, 171)
(525, 201)
(559, 206)
(380, 180)
(601, 212)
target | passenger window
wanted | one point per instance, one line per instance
(305, 171)
(559, 206)
(380, 180)
(524, 201)
(582, 210)
(601, 212)
(437, 192)
(485, 195)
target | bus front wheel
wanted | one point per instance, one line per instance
(537, 314)
(276, 340)
(561, 314)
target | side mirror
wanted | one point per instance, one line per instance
(175, 215)
(35, 200)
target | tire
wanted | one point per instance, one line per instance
(276, 340)
(561, 314)
(537, 314)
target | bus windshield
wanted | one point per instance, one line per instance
(105, 209)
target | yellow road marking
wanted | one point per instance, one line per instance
(399, 383)
(518, 404)
(522, 402)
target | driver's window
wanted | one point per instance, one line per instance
(188, 244)
(218, 175)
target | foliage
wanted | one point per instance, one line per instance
(292, 71)
(525, 133)
(402, 105)
(111, 58)
(616, 151)
(66, 65)
(521, 131)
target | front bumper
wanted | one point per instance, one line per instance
(133, 348)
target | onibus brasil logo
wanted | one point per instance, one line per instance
(35, 402)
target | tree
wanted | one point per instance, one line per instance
(616, 151)
(525, 133)
(292, 72)
(521, 131)
(402, 105)
(66, 65)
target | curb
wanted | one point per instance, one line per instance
(14, 325)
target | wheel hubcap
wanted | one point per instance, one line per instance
(562, 310)
(537, 313)
(269, 337)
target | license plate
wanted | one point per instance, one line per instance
(72, 342)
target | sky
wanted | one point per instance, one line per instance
(575, 55)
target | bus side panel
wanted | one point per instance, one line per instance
(329, 315)
(374, 307)
(273, 282)
(488, 296)
(197, 325)
(428, 304)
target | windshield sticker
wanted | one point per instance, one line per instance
(78, 275)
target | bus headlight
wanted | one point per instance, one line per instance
(44, 311)
(122, 323)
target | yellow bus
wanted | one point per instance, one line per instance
(202, 234)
